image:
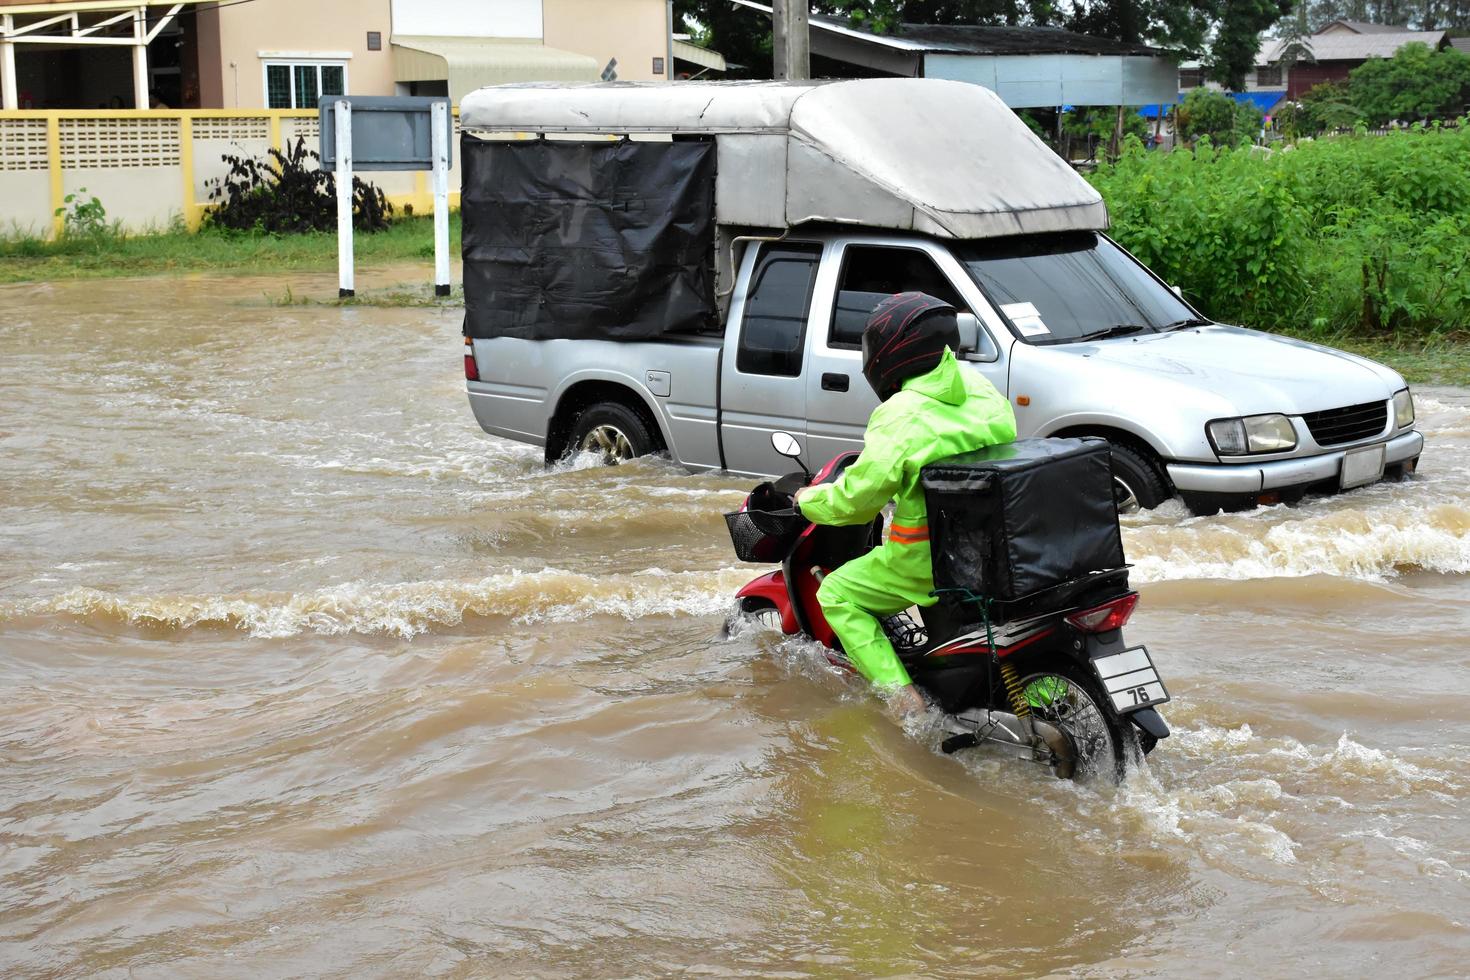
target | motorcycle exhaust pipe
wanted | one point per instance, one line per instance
(973, 727)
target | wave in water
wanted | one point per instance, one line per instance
(409, 608)
(1373, 544)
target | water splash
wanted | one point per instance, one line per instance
(409, 608)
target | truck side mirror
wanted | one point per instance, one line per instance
(975, 342)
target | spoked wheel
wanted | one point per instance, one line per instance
(759, 613)
(609, 442)
(1073, 706)
(612, 431)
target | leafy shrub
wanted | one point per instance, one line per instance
(283, 194)
(1323, 107)
(84, 217)
(1416, 84)
(1362, 233)
(1208, 112)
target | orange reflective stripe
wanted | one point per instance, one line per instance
(908, 535)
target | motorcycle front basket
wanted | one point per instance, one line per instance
(762, 535)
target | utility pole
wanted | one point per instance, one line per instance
(791, 39)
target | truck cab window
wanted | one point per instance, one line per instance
(774, 323)
(872, 272)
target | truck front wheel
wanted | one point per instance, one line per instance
(1137, 484)
(613, 431)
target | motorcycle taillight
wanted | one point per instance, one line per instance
(1111, 615)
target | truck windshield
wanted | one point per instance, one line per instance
(1063, 288)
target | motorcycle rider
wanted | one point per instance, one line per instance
(929, 409)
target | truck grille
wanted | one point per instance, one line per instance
(1337, 426)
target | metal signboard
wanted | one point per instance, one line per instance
(388, 132)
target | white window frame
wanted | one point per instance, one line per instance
(267, 62)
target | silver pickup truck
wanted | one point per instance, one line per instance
(1079, 336)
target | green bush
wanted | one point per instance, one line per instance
(1207, 112)
(287, 194)
(1363, 234)
(1323, 107)
(1415, 85)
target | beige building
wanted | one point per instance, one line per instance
(86, 54)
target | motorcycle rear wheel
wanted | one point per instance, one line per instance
(1066, 698)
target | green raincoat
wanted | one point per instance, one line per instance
(947, 411)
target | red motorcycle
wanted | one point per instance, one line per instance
(1043, 672)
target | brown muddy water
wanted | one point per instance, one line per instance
(303, 675)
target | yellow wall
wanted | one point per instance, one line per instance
(238, 33)
(152, 166)
(633, 31)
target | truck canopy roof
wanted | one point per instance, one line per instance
(929, 155)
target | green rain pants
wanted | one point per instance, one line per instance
(885, 581)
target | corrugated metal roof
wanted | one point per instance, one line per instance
(1460, 44)
(468, 63)
(688, 51)
(1340, 46)
(973, 39)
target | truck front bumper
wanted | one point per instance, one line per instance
(1249, 480)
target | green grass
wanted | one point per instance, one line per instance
(1431, 360)
(1436, 362)
(25, 258)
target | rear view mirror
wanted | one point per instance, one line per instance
(975, 342)
(785, 443)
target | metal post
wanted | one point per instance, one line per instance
(439, 121)
(343, 109)
(140, 60)
(9, 91)
(791, 39)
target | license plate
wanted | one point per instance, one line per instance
(1130, 680)
(1362, 466)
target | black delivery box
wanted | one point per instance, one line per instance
(1009, 521)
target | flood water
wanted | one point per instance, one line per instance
(300, 673)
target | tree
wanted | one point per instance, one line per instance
(1322, 107)
(1415, 84)
(1206, 112)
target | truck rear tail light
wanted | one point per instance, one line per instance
(471, 370)
(1106, 617)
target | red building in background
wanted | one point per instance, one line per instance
(1336, 50)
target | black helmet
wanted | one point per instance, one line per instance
(905, 337)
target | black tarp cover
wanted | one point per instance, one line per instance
(588, 240)
(1010, 520)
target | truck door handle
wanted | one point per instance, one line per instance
(834, 382)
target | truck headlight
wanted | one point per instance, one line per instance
(1403, 408)
(1253, 434)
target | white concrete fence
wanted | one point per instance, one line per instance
(151, 168)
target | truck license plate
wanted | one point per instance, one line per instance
(1130, 680)
(1362, 466)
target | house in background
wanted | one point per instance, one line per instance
(1336, 50)
(1327, 56)
(284, 54)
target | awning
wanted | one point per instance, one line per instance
(695, 55)
(468, 63)
(1263, 99)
